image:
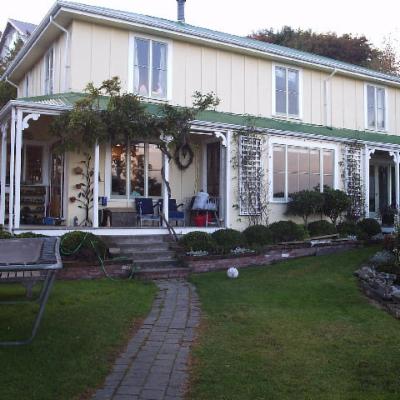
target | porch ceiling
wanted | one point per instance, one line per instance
(65, 101)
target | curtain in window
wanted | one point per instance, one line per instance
(280, 90)
(293, 92)
(142, 53)
(159, 78)
(371, 106)
(279, 169)
(380, 108)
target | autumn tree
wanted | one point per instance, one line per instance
(347, 47)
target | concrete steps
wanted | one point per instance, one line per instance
(153, 256)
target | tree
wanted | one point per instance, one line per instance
(347, 47)
(305, 203)
(7, 91)
(336, 202)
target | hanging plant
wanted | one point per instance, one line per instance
(183, 156)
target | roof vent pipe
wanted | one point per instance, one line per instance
(181, 10)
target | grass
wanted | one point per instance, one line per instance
(85, 324)
(296, 330)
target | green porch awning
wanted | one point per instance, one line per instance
(237, 120)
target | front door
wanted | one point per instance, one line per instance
(56, 185)
(213, 169)
(380, 188)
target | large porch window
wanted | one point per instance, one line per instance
(136, 170)
(296, 168)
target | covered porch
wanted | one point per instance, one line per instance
(39, 188)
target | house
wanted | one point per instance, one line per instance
(318, 122)
(14, 31)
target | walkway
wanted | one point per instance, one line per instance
(154, 365)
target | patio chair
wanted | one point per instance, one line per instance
(174, 214)
(146, 211)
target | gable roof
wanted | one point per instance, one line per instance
(24, 28)
(199, 33)
(66, 101)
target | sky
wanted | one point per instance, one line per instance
(377, 20)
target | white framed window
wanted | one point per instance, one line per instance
(287, 92)
(250, 175)
(150, 67)
(49, 72)
(135, 170)
(376, 108)
(297, 167)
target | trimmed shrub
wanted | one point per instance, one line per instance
(348, 228)
(320, 228)
(258, 235)
(369, 226)
(336, 202)
(287, 231)
(83, 246)
(5, 234)
(305, 203)
(198, 241)
(28, 235)
(228, 239)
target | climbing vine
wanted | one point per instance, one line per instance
(106, 113)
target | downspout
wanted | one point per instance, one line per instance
(327, 100)
(67, 66)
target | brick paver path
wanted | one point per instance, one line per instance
(155, 363)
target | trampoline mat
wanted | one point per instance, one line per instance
(20, 251)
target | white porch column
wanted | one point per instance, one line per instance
(96, 186)
(22, 123)
(165, 189)
(366, 179)
(396, 160)
(228, 179)
(3, 170)
(12, 165)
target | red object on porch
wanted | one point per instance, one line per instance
(200, 220)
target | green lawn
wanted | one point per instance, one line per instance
(296, 330)
(85, 323)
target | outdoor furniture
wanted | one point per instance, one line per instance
(146, 210)
(204, 210)
(118, 217)
(28, 261)
(174, 214)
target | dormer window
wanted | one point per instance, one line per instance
(49, 72)
(150, 68)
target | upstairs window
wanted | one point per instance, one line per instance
(287, 92)
(150, 68)
(376, 108)
(49, 72)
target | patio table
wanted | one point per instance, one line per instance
(26, 261)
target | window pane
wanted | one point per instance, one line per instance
(280, 90)
(155, 165)
(142, 53)
(279, 186)
(279, 159)
(371, 106)
(380, 98)
(293, 160)
(328, 180)
(293, 91)
(137, 170)
(314, 161)
(33, 168)
(159, 80)
(118, 170)
(304, 160)
(315, 181)
(293, 183)
(328, 162)
(304, 181)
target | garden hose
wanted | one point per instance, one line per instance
(100, 259)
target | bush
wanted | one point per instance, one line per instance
(320, 228)
(5, 234)
(287, 231)
(305, 203)
(198, 241)
(348, 228)
(228, 239)
(83, 246)
(258, 235)
(370, 227)
(336, 202)
(28, 235)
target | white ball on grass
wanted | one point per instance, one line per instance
(232, 273)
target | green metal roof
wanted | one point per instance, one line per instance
(68, 100)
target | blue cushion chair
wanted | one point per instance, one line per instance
(146, 210)
(174, 214)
